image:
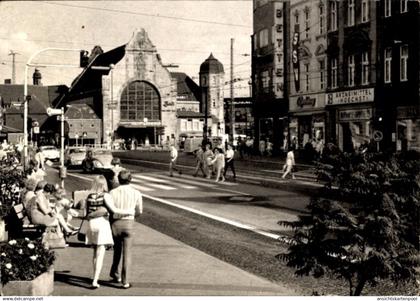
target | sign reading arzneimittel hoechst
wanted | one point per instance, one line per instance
(350, 96)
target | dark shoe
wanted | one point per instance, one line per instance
(180, 172)
(115, 279)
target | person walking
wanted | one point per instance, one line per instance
(207, 158)
(172, 163)
(199, 161)
(219, 163)
(40, 159)
(290, 163)
(99, 204)
(229, 160)
(127, 198)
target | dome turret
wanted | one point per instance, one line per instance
(211, 65)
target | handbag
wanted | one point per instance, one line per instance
(81, 236)
(54, 238)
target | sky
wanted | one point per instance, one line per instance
(184, 33)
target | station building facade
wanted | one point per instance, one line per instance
(136, 96)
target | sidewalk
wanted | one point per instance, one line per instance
(161, 266)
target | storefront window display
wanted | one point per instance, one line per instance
(293, 130)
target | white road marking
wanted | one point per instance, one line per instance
(142, 188)
(143, 177)
(221, 219)
(168, 181)
(160, 186)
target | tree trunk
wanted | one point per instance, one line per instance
(359, 288)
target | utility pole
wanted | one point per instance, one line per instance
(13, 54)
(232, 98)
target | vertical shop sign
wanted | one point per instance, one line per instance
(295, 58)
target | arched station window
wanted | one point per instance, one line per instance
(140, 100)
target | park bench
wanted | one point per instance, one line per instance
(21, 226)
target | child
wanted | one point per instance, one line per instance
(63, 207)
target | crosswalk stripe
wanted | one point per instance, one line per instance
(143, 177)
(142, 188)
(187, 181)
(145, 183)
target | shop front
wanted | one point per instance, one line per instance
(307, 120)
(408, 128)
(353, 111)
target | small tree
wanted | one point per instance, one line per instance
(366, 226)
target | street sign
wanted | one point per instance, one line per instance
(51, 111)
(378, 136)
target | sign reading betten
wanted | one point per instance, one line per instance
(350, 96)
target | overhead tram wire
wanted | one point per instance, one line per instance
(148, 15)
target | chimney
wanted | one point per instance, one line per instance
(37, 78)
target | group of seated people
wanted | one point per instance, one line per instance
(46, 204)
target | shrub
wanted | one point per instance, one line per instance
(24, 259)
(367, 229)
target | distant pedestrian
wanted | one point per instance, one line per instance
(229, 161)
(207, 158)
(172, 162)
(269, 148)
(219, 163)
(127, 198)
(116, 169)
(290, 163)
(40, 159)
(262, 147)
(199, 161)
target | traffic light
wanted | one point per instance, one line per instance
(84, 58)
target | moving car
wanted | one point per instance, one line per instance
(50, 152)
(74, 156)
(97, 161)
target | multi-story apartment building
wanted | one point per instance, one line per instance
(269, 70)
(398, 82)
(308, 72)
(373, 77)
(352, 55)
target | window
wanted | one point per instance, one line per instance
(322, 74)
(334, 73)
(307, 81)
(403, 62)
(265, 81)
(296, 17)
(350, 70)
(387, 65)
(350, 12)
(140, 100)
(403, 6)
(263, 37)
(387, 8)
(333, 15)
(183, 125)
(365, 11)
(365, 68)
(321, 19)
(307, 17)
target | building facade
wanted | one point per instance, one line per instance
(308, 72)
(373, 77)
(269, 70)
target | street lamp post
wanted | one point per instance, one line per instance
(26, 97)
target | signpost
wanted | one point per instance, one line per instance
(378, 136)
(60, 112)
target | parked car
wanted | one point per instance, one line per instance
(97, 161)
(74, 156)
(50, 152)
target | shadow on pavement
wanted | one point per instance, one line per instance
(78, 281)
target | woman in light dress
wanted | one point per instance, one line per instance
(290, 162)
(98, 205)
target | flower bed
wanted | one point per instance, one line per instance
(24, 260)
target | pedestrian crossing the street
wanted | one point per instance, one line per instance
(157, 182)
